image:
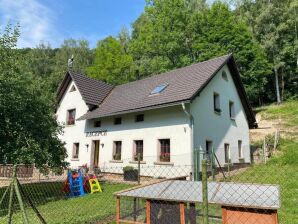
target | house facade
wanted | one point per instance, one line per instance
(162, 118)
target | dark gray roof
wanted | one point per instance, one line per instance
(93, 91)
(183, 85)
(222, 193)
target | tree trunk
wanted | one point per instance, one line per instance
(277, 86)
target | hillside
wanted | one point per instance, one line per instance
(281, 168)
(270, 118)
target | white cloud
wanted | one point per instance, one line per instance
(36, 21)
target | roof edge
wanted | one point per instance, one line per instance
(170, 104)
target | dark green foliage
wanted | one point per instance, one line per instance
(29, 131)
(112, 64)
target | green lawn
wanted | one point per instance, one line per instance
(56, 209)
(282, 169)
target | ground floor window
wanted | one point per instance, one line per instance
(208, 149)
(240, 150)
(227, 153)
(138, 149)
(75, 150)
(164, 150)
(117, 150)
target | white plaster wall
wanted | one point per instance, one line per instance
(72, 133)
(220, 129)
(158, 124)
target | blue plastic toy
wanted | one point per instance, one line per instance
(76, 187)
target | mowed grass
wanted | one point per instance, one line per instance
(282, 169)
(56, 208)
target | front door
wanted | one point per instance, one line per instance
(95, 153)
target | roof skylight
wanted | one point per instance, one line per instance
(159, 89)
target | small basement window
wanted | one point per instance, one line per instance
(97, 124)
(158, 89)
(118, 120)
(240, 149)
(227, 153)
(216, 102)
(139, 118)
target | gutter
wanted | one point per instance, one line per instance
(191, 126)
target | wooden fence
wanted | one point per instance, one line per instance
(23, 171)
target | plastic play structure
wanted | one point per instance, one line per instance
(77, 185)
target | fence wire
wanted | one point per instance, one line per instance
(154, 194)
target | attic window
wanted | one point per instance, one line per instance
(72, 89)
(224, 75)
(159, 89)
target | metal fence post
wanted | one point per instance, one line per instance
(139, 168)
(212, 164)
(205, 191)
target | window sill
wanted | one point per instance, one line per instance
(228, 164)
(136, 162)
(241, 160)
(164, 163)
(116, 161)
(70, 125)
(217, 112)
(233, 118)
(74, 159)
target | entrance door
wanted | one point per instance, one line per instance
(95, 153)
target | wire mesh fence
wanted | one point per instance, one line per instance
(150, 194)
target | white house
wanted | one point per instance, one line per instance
(163, 117)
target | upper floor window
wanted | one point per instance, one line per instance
(117, 150)
(224, 75)
(75, 150)
(232, 110)
(72, 89)
(117, 120)
(139, 118)
(216, 102)
(164, 150)
(138, 149)
(71, 117)
(97, 124)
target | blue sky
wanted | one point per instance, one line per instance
(52, 21)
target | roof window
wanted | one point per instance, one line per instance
(159, 89)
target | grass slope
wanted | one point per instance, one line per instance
(281, 169)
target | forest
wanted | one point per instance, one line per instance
(262, 35)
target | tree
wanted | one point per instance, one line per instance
(29, 131)
(274, 25)
(111, 64)
(83, 58)
(175, 33)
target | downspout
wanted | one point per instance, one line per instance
(191, 126)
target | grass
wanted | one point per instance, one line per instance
(56, 209)
(287, 111)
(282, 169)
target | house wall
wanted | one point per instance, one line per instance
(72, 133)
(219, 128)
(170, 122)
